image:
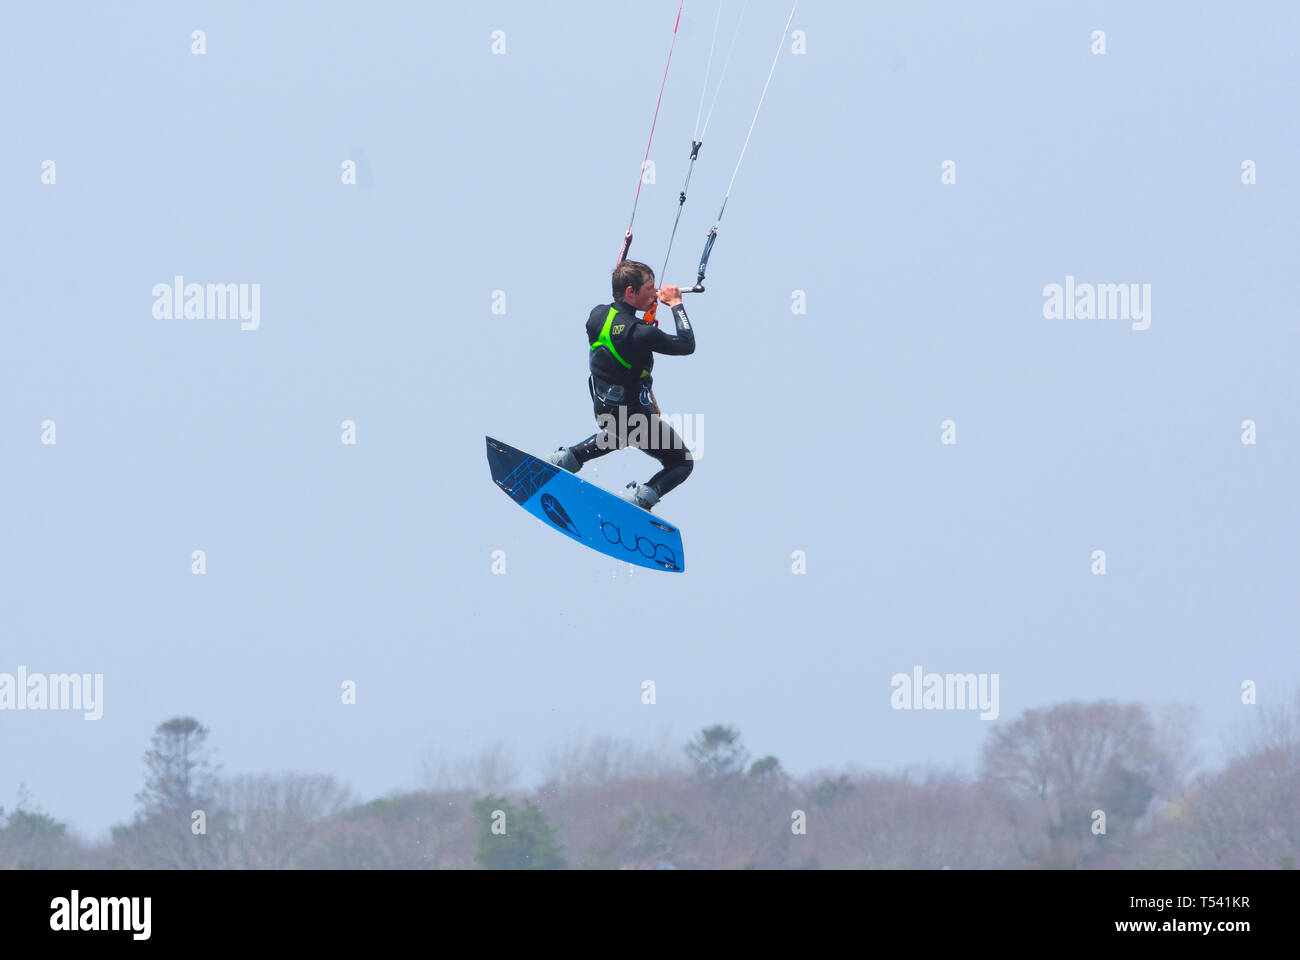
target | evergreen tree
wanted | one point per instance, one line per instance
(717, 751)
(181, 776)
(528, 844)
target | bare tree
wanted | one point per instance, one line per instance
(1246, 817)
(1058, 765)
(270, 821)
(600, 760)
(495, 769)
(915, 820)
(1269, 725)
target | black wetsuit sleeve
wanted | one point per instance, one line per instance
(681, 345)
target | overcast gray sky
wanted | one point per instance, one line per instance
(821, 431)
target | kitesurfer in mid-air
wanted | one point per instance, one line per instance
(622, 358)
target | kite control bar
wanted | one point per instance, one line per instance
(698, 286)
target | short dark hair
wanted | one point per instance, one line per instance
(630, 273)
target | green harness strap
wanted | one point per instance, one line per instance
(604, 341)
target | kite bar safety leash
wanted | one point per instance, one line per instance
(713, 231)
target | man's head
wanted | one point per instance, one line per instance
(634, 284)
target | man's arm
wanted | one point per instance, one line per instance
(681, 345)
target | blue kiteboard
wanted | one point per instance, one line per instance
(583, 511)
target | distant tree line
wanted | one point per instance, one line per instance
(1076, 785)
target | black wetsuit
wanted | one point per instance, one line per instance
(620, 390)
